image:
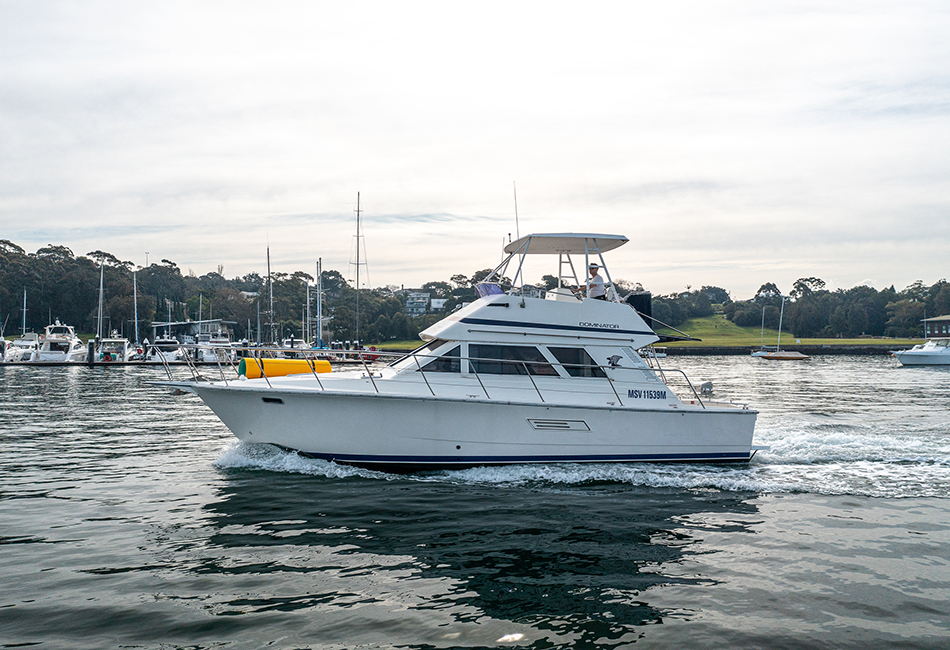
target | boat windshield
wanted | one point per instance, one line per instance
(419, 356)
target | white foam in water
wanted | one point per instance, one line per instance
(268, 457)
(809, 463)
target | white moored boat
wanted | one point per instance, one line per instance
(506, 379)
(114, 348)
(935, 352)
(164, 349)
(61, 345)
(22, 349)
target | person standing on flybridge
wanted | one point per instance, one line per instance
(596, 284)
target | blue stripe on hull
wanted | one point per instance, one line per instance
(549, 326)
(415, 463)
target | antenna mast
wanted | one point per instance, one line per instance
(517, 229)
(270, 288)
(359, 245)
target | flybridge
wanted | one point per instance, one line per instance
(564, 245)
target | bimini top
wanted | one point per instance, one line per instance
(569, 243)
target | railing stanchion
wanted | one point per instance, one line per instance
(422, 372)
(366, 368)
(260, 364)
(611, 382)
(472, 367)
(528, 372)
(313, 369)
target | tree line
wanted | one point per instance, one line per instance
(813, 311)
(62, 285)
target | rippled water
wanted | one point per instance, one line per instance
(130, 517)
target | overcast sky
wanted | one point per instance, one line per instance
(734, 143)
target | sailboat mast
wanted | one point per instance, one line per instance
(270, 285)
(23, 326)
(135, 300)
(102, 266)
(320, 300)
(778, 343)
(357, 268)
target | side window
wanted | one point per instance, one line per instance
(508, 360)
(451, 361)
(577, 362)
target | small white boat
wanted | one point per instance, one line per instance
(59, 344)
(934, 352)
(292, 347)
(114, 348)
(164, 349)
(506, 379)
(214, 347)
(780, 355)
(21, 350)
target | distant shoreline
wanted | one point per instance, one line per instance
(810, 350)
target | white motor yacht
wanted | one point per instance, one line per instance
(291, 348)
(164, 349)
(59, 344)
(506, 379)
(934, 352)
(21, 350)
(114, 348)
(214, 347)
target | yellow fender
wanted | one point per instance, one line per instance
(251, 368)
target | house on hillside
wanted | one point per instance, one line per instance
(417, 303)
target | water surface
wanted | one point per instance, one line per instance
(130, 517)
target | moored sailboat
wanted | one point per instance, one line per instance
(777, 353)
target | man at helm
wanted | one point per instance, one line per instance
(596, 283)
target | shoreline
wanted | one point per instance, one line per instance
(810, 350)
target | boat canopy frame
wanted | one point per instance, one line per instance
(564, 245)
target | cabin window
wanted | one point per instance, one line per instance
(577, 362)
(508, 360)
(451, 361)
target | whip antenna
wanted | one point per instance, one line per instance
(517, 229)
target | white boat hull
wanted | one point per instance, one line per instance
(402, 433)
(780, 355)
(74, 356)
(908, 358)
(934, 352)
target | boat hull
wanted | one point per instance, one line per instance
(781, 355)
(413, 433)
(910, 358)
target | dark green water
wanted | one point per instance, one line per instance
(130, 518)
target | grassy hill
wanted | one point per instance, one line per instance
(717, 331)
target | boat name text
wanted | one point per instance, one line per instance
(646, 394)
(606, 326)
